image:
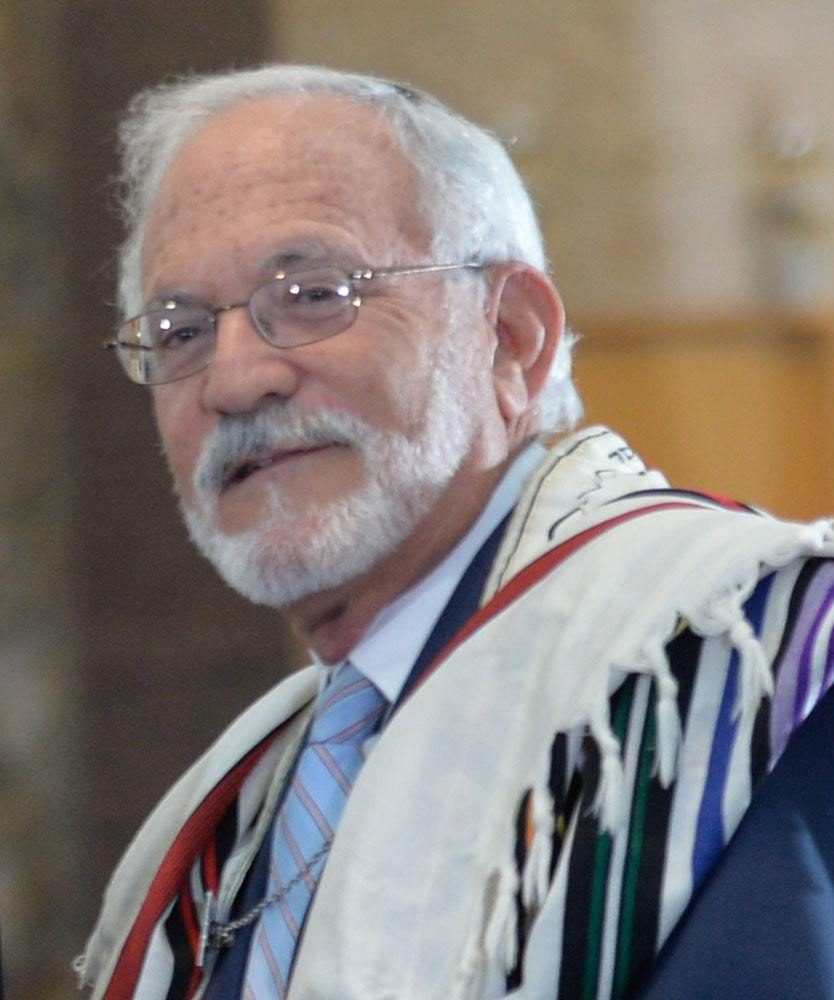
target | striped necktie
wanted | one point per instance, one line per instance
(350, 710)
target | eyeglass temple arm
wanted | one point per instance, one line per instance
(419, 269)
(111, 345)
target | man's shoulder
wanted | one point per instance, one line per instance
(249, 743)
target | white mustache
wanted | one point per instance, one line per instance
(249, 438)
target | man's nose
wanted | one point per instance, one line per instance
(245, 368)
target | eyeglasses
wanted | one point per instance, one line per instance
(295, 307)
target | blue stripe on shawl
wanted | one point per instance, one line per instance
(709, 834)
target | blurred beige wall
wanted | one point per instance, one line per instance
(682, 158)
(39, 644)
(646, 127)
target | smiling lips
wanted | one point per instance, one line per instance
(250, 466)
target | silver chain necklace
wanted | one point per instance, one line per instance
(215, 935)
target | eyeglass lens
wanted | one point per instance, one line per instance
(292, 309)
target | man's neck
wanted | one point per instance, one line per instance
(333, 622)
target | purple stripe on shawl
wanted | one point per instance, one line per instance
(782, 714)
(828, 676)
(806, 660)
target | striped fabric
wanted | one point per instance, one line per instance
(623, 895)
(603, 903)
(349, 712)
(174, 904)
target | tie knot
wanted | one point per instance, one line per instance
(350, 709)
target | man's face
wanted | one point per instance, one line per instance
(298, 469)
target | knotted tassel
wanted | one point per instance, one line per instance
(668, 719)
(535, 879)
(608, 802)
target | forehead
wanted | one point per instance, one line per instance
(283, 171)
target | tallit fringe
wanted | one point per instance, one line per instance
(497, 943)
(725, 616)
(78, 965)
(469, 975)
(535, 879)
(756, 679)
(668, 720)
(501, 937)
(494, 944)
(608, 802)
(817, 534)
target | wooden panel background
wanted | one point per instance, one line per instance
(737, 404)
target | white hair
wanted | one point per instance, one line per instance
(471, 195)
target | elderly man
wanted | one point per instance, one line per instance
(546, 687)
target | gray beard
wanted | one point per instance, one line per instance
(292, 554)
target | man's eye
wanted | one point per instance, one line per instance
(173, 335)
(319, 294)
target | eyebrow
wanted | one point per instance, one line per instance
(308, 250)
(178, 296)
(313, 251)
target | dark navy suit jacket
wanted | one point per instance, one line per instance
(762, 926)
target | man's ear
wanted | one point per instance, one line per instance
(527, 315)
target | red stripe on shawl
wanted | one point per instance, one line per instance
(211, 873)
(192, 838)
(192, 931)
(726, 502)
(530, 575)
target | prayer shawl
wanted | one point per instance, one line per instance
(535, 818)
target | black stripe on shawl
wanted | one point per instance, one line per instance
(226, 835)
(557, 786)
(589, 864)
(564, 791)
(577, 904)
(640, 847)
(177, 938)
(521, 851)
(684, 651)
